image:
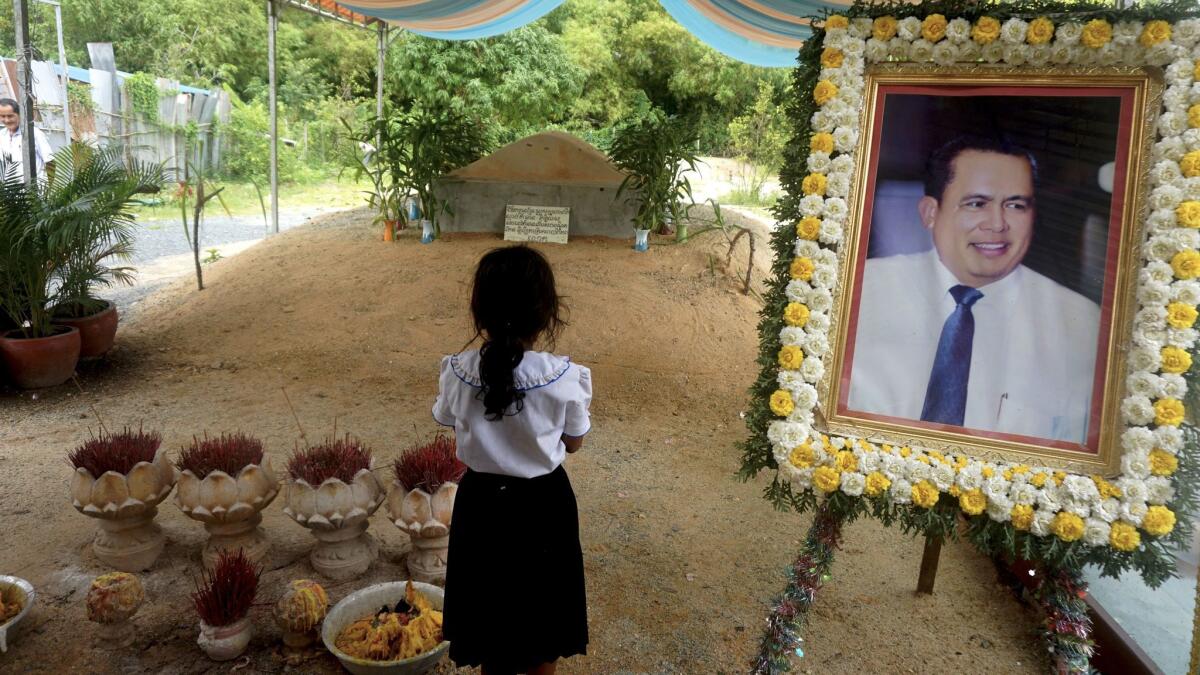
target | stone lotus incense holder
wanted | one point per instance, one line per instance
(125, 505)
(337, 513)
(230, 508)
(426, 520)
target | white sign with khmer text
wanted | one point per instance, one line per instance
(536, 223)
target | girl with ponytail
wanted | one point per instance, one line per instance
(515, 598)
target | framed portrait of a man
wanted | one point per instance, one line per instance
(985, 288)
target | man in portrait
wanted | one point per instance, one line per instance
(964, 334)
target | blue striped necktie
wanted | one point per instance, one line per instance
(946, 395)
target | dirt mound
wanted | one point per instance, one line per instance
(681, 558)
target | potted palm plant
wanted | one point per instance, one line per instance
(439, 141)
(383, 158)
(655, 150)
(108, 184)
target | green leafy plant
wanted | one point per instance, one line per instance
(79, 98)
(439, 141)
(213, 256)
(656, 151)
(384, 156)
(759, 137)
(198, 188)
(142, 91)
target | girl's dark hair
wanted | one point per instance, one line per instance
(513, 303)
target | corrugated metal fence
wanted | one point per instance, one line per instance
(166, 140)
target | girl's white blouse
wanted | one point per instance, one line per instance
(526, 444)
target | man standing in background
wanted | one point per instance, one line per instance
(11, 142)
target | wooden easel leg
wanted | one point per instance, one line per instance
(929, 564)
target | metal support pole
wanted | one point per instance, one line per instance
(66, 76)
(25, 82)
(272, 26)
(379, 70)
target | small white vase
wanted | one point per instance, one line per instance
(641, 240)
(223, 643)
(426, 231)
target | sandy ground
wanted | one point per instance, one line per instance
(681, 558)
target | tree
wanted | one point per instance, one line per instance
(759, 137)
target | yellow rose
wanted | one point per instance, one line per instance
(1022, 516)
(925, 494)
(972, 502)
(1105, 488)
(1038, 480)
(790, 357)
(1180, 315)
(1124, 537)
(1190, 164)
(836, 21)
(877, 484)
(808, 228)
(987, 472)
(1194, 116)
(802, 268)
(1067, 526)
(905, 452)
(845, 461)
(823, 142)
(1041, 31)
(831, 57)
(795, 314)
(1059, 477)
(986, 30)
(1168, 412)
(1162, 463)
(954, 491)
(824, 92)
(1188, 212)
(933, 28)
(1155, 32)
(814, 184)
(826, 478)
(1175, 360)
(781, 403)
(1186, 264)
(1096, 33)
(802, 456)
(1159, 520)
(884, 27)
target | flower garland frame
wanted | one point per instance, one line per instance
(1058, 519)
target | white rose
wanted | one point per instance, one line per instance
(1137, 440)
(1165, 196)
(1041, 522)
(877, 50)
(838, 185)
(812, 369)
(1171, 124)
(909, 28)
(850, 95)
(1156, 272)
(845, 139)
(1107, 510)
(1169, 439)
(1179, 73)
(1081, 509)
(848, 119)
(861, 27)
(1135, 465)
(1081, 488)
(835, 208)
(1143, 384)
(1185, 238)
(1159, 490)
(1177, 96)
(787, 434)
(1132, 489)
(1024, 493)
(816, 343)
(1133, 512)
(898, 50)
(1164, 173)
(992, 53)
(818, 322)
(1062, 54)
(1095, 532)
(969, 52)
(792, 336)
(1068, 33)
(1150, 336)
(1137, 410)
(805, 396)
(1143, 358)
(868, 462)
(999, 509)
(1039, 55)
(1127, 32)
(1160, 247)
(1154, 294)
(853, 483)
(943, 477)
(790, 379)
(1170, 149)
(1151, 316)
(823, 121)
(1187, 292)
(843, 164)
(1109, 55)
(958, 30)
(1016, 55)
(812, 205)
(1160, 54)
(818, 162)
(969, 479)
(825, 277)
(826, 257)
(1186, 33)
(854, 49)
(802, 416)
(1183, 338)
(798, 290)
(807, 249)
(1191, 137)
(901, 491)
(921, 50)
(1013, 31)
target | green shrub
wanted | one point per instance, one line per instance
(141, 89)
(248, 153)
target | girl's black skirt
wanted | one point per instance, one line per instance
(514, 573)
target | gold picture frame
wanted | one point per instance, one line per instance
(1146, 87)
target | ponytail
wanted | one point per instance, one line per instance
(498, 357)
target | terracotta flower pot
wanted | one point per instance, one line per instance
(230, 508)
(125, 504)
(389, 230)
(224, 643)
(33, 363)
(426, 519)
(96, 332)
(338, 514)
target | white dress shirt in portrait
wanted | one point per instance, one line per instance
(10, 147)
(1033, 356)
